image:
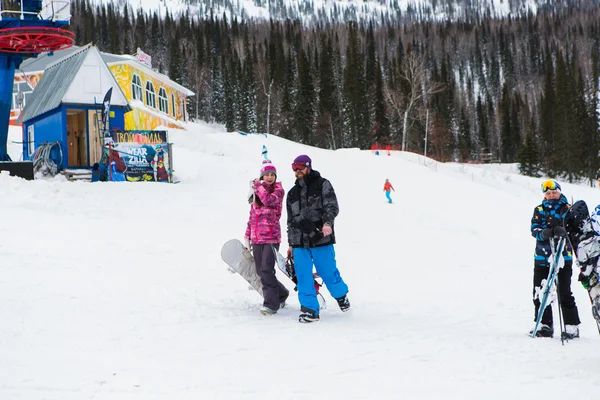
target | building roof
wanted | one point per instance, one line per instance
(73, 70)
(43, 61)
(53, 85)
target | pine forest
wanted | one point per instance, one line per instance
(512, 90)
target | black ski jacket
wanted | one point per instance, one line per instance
(310, 204)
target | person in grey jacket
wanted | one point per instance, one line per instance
(311, 211)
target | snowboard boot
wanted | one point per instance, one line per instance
(308, 315)
(543, 331)
(344, 303)
(571, 332)
(282, 302)
(267, 311)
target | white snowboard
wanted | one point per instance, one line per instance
(241, 261)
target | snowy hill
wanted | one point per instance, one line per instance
(118, 291)
(334, 10)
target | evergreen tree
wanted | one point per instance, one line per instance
(584, 137)
(289, 98)
(382, 123)
(104, 42)
(515, 126)
(140, 32)
(559, 155)
(547, 107)
(127, 34)
(305, 102)
(370, 72)
(464, 138)
(230, 93)
(156, 44)
(248, 96)
(528, 158)
(508, 140)
(356, 111)
(327, 106)
(482, 133)
(114, 31)
(176, 62)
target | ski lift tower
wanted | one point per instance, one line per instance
(25, 32)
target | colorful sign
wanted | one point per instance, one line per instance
(23, 86)
(145, 155)
(145, 116)
(143, 58)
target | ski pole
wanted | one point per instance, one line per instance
(560, 313)
(546, 291)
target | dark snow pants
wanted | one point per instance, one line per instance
(274, 292)
(567, 301)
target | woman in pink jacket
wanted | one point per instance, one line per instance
(264, 232)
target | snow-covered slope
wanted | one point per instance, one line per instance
(333, 10)
(117, 290)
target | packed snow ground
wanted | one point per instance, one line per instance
(118, 291)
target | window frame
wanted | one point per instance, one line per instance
(163, 101)
(173, 105)
(137, 85)
(26, 93)
(150, 95)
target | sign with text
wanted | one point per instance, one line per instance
(145, 154)
(143, 58)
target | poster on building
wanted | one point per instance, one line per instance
(145, 155)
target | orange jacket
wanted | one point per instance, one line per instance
(388, 186)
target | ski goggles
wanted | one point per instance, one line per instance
(298, 166)
(550, 185)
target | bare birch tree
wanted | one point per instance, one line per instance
(413, 74)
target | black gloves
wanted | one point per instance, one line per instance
(309, 228)
(306, 226)
(558, 231)
(547, 233)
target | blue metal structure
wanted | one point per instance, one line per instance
(25, 33)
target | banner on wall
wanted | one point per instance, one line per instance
(145, 155)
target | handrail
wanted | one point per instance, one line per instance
(56, 10)
(52, 10)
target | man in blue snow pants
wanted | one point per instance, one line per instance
(311, 208)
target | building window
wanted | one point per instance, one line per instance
(150, 95)
(163, 102)
(173, 105)
(21, 92)
(136, 87)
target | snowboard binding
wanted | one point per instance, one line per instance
(318, 281)
(289, 268)
(291, 271)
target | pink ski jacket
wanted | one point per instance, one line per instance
(263, 224)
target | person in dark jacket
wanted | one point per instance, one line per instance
(311, 211)
(547, 228)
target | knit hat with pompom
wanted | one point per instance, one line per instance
(267, 167)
